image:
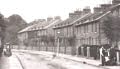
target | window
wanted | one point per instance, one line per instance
(77, 31)
(87, 40)
(80, 28)
(96, 27)
(71, 30)
(45, 32)
(92, 27)
(38, 33)
(0, 29)
(89, 28)
(92, 41)
(84, 29)
(119, 11)
(67, 31)
(96, 41)
(83, 41)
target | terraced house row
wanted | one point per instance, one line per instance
(80, 34)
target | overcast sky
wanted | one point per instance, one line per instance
(39, 9)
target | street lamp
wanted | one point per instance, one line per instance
(58, 43)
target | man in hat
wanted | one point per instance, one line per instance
(102, 55)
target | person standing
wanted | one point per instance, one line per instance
(7, 51)
(105, 53)
(102, 55)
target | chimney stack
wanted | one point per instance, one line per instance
(41, 20)
(105, 7)
(114, 2)
(97, 9)
(86, 10)
(49, 19)
(76, 13)
(57, 18)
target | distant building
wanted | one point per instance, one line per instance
(33, 34)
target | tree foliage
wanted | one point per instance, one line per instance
(71, 40)
(44, 38)
(2, 27)
(14, 23)
(47, 39)
(111, 28)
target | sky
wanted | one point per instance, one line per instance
(30, 10)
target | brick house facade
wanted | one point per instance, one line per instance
(82, 26)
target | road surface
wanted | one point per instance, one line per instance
(35, 61)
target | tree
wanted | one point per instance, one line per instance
(51, 39)
(2, 32)
(14, 24)
(44, 39)
(111, 28)
(48, 39)
(71, 40)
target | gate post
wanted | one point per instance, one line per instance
(88, 52)
(82, 51)
(118, 58)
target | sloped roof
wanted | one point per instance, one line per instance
(97, 16)
(53, 23)
(38, 26)
(90, 18)
(71, 21)
(109, 11)
(26, 29)
(46, 24)
(84, 17)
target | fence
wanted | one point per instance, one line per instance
(66, 50)
(93, 52)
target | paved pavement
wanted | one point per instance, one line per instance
(9, 63)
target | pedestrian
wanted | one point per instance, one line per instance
(7, 51)
(102, 55)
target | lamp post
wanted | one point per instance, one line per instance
(58, 42)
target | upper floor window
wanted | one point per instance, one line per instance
(96, 27)
(92, 27)
(79, 29)
(82, 29)
(85, 29)
(0, 29)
